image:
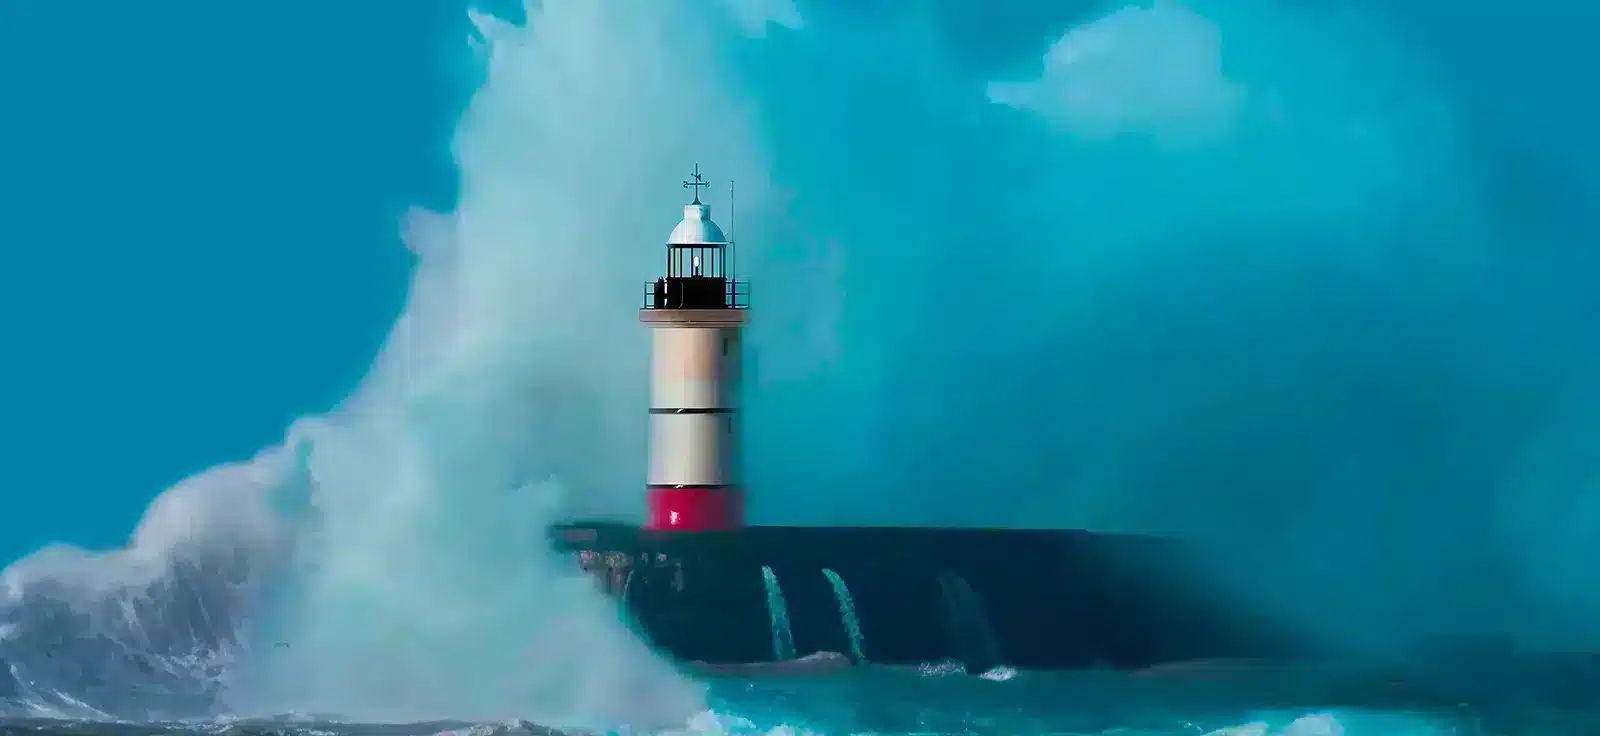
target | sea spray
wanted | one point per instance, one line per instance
(1250, 288)
(428, 589)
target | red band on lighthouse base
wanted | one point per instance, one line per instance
(695, 509)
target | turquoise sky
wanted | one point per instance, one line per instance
(198, 207)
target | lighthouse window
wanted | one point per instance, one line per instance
(725, 342)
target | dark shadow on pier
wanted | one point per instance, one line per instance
(983, 598)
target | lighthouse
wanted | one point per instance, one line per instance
(695, 312)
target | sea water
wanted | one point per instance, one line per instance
(935, 701)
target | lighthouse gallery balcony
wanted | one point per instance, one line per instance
(697, 292)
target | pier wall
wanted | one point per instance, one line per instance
(1038, 599)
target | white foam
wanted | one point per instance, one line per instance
(508, 396)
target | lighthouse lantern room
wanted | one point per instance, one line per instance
(696, 312)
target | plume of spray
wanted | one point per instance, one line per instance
(1218, 269)
(404, 557)
(426, 589)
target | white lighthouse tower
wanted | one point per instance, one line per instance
(695, 314)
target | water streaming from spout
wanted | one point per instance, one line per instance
(778, 611)
(847, 613)
(627, 587)
(970, 633)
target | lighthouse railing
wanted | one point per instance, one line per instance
(697, 292)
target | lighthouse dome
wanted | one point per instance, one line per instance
(697, 228)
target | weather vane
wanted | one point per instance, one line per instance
(695, 183)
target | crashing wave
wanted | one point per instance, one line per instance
(152, 630)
